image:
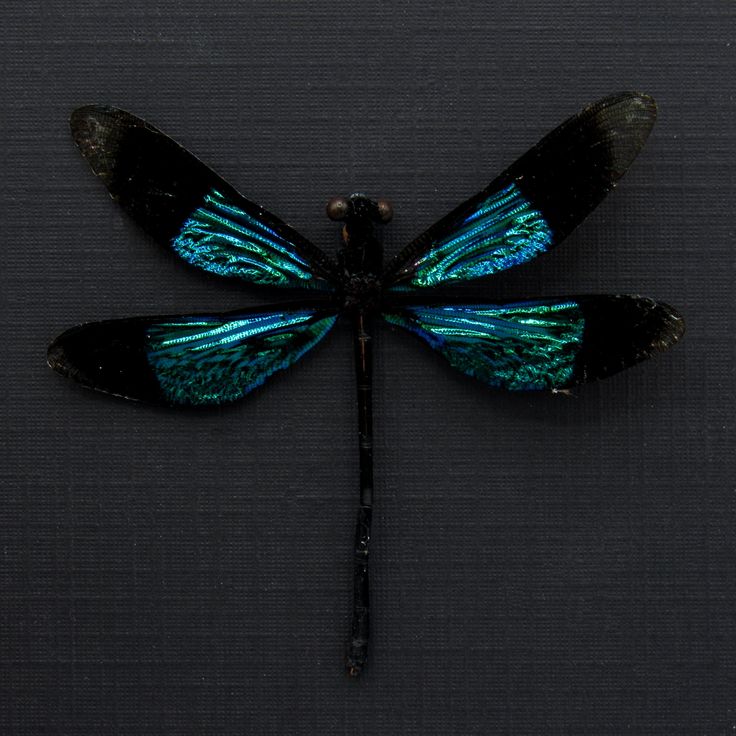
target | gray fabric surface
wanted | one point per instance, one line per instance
(541, 565)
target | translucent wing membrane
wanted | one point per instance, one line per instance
(535, 203)
(185, 205)
(544, 344)
(193, 360)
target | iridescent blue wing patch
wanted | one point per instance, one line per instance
(186, 206)
(535, 203)
(544, 344)
(188, 360)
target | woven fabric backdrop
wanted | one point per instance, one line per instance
(541, 564)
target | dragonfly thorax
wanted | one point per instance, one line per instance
(361, 290)
(361, 257)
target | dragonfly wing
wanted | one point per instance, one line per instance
(545, 344)
(185, 205)
(188, 360)
(536, 202)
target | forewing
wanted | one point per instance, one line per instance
(535, 203)
(188, 360)
(185, 205)
(546, 344)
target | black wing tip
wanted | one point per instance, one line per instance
(95, 111)
(90, 128)
(671, 324)
(95, 125)
(621, 331)
(663, 323)
(641, 104)
(108, 357)
(100, 131)
(56, 357)
(644, 99)
(647, 103)
(627, 119)
(87, 117)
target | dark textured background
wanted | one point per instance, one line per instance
(542, 565)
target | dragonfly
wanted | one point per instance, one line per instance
(546, 344)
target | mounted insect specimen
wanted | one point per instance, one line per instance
(544, 344)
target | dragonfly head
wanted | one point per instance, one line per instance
(359, 209)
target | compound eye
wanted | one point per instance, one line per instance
(338, 208)
(385, 210)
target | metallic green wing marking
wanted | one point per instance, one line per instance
(212, 361)
(225, 239)
(189, 360)
(544, 344)
(517, 347)
(500, 231)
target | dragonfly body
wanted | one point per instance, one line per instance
(548, 344)
(360, 264)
